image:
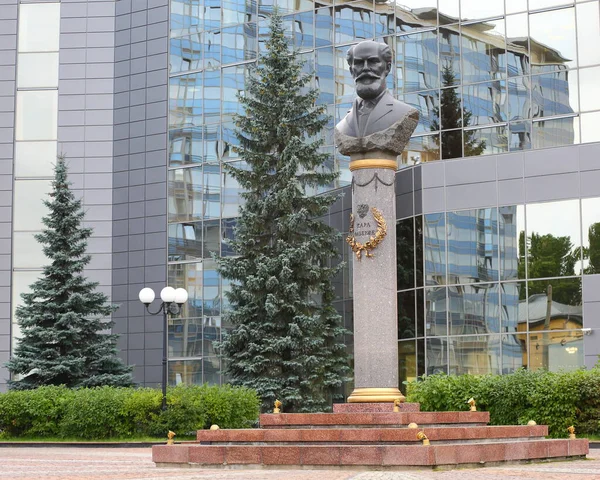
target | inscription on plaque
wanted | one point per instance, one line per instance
(366, 229)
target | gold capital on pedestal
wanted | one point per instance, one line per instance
(373, 163)
(375, 395)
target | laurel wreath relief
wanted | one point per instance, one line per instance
(367, 247)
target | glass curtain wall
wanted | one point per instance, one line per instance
(502, 288)
(486, 77)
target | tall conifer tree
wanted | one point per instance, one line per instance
(63, 319)
(287, 339)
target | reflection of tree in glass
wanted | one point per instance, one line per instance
(592, 253)
(405, 250)
(550, 256)
(450, 108)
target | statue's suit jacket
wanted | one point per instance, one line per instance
(387, 112)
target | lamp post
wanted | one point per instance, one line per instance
(172, 302)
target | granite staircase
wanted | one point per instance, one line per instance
(369, 436)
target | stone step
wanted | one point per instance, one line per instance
(369, 435)
(286, 420)
(383, 456)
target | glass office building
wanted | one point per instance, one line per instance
(498, 191)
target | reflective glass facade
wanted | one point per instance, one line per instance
(487, 78)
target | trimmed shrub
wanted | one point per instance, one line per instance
(556, 399)
(109, 412)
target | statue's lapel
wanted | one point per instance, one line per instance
(384, 107)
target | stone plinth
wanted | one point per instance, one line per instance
(369, 438)
(383, 456)
(373, 407)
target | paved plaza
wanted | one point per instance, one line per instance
(51, 463)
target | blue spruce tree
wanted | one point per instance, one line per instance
(63, 319)
(287, 338)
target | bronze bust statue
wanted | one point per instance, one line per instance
(377, 122)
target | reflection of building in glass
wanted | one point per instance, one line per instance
(144, 109)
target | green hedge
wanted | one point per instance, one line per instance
(554, 399)
(109, 412)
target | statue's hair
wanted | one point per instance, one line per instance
(384, 51)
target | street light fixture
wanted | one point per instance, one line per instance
(172, 302)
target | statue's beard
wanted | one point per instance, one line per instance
(369, 91)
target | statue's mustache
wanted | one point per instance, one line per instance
(366, 75)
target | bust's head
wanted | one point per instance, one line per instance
(370, 62)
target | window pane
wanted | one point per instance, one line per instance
(519, 105)
(556, 132)
(188, 276)
(353, 22)
(475, 355)
(514, 353)
(452, 143)
(590, 217)
(188, 372)
(554, 304)
(486, 141)
(324, 26)
(34, 159)
(484, 57)
(590, 88)
(435, 312)
(239, 43)
(28, 207)
(472, 246)
(417, 61)
(556, 351)
(514, 309)
(185, 337)
(553, 239)
(185, 146)
(185, 194)
(474, 309)
(407, 362)
(512, 242)
(590, 127)
(553, 43)
(435, 248)
(27, 251)
(520, 136)
(39, 27)
(36, 115)
(554, 93)
(475, 9)
(517, 48)
(211, 238)
(185, 101)
(185, 241)
(300, 30)
(513, 6)
(406, 315)
(484, 103)
(425, 148)
(405, 254)
(427, 105)
(437, 355)
(37, 70)
(588, 28)
(449, 66)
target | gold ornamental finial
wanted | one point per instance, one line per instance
(571, 430)
(413, 425)
(277, 407)
(214, 427)
(471, 401)
(170, 436)
(531, 423)
(421, 436)
(397, 404)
